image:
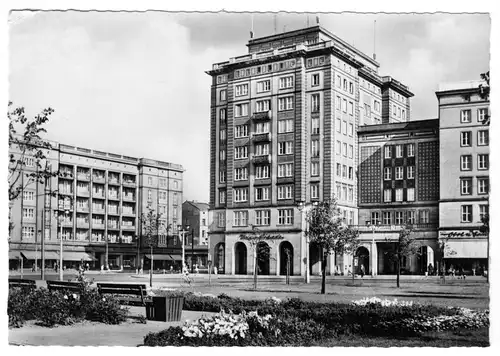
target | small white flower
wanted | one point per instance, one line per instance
(74, 295)
(65, 297)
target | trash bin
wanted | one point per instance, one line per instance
(165, 309)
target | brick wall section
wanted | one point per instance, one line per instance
(328, 129)
(370, 174)
(428, 170)
(301, 142)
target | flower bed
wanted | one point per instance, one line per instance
(294, 322)
(57, 308)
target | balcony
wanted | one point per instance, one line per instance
(98, 210)
(82, 224)
(113, 197)
(262, 116)
(129, 183)
(394, 228)
(67, 224)
(82, 209)
(128, 227)
(65, 192)
(66, 174)
(114, 181)
(126, 239)
(98, 179)
(82, 193)
(98, 226)
(128, 213)
(113, 211)
(261, 137)
(265, 159)
(83, 176)
(129, 197)
(113, 227)
(98, 195)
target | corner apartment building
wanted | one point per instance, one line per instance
(99, 200)
(284, 123)
(399, 185)
(464, 177)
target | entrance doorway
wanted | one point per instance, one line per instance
(263, 256)
(363, 256)
(286, 258)
(240, 258)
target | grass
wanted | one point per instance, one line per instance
(462, 338)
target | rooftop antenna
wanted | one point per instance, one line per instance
(251, 31)
(374, 38)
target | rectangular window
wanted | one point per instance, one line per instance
(339, 81)
(263, 86)
(261, 127)
(286, 82)
(223, 95)
(482, 114)
(351, 88)
(222, 196)
(339, 147)
(466, 163)
(483, 185)
(261, 172)
(285, 192)
(262, 193)
(483, 210)
(344, 149)
(410, 217)
(351, 108)
(410, 172)
(314, 169)
(262, 217)
(285, 148)
(350, 173)
(29, 161)
(410, 150)
(339, 192)
(241, 90)
(388, 152)
(241, 173)
(222, 116)
(240, 194)
(424, 217)
(28, 213)
(387, 218)
(387, 195)
(350, 194)
(399, 194)
(483, 138)
(241, 110)
(262, 105)
(285, 103)
(344, 105)
(466, 186)
(285, 170)
(351, 130)
(465, 116)
(338, 123)
(222, 135)
(241, 152)
(466, 213)
(28, 232)
(399, 173)
(241, 131)
(375, 218)
(315, 126)
(344, 127)
(351, 151)
(345, 85)
(315, 105)
(28, 195)
(344, 193)
(399, 112)
(314, 191)
(376, 106)
(398, 216)
(339, 170)
(240, 218)
(387, 173)
(399, 151)
(222, 155)
(410, 194)
(285, 216)
(466, 139)
(338, 103)
(315, 148)
(394, 110)
(262, 149)
(315, 80)
(285, 126)
(483, 161)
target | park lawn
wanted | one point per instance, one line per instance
(463, 338)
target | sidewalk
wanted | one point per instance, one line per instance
(129, 333)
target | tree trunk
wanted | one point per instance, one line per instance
(151, 268)
(398, 268)
(444, 271)
(323, 276)
(255, 270)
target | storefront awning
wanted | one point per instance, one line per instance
(14, 255)
(48, 255)
(466, 249)
(165, 257)
(77, 256)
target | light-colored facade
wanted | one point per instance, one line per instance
(197, 216)
(100, 197)
(464, 177)
(284, 123)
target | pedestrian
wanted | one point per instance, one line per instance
(430, 269)
(102, 269)
(215, 270)
(462, 272)
(473, 271)
(171, 269)
(88, 267)
(362, 271)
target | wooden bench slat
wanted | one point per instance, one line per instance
(138, 290)
(121, 291)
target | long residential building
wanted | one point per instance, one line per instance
(304, 116)
(95, 203)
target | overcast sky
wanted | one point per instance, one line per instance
(135, 83)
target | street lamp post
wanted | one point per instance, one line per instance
(373, 245)
(192, 250)
(303, 207)
(181, 233)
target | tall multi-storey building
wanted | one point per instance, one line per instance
(399, 185)
(197, 216)
(284, 123)
(97, 206)
(464, 177)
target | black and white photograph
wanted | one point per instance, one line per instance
(248, 178)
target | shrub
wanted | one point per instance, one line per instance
(19, 306)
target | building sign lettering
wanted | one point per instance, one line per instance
(470, 233)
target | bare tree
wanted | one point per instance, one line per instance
(406, 246)
(151, 227)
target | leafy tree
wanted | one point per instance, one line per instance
(25, 141)
(485, 229)
(328, 231)
(445, 250)
(151, 227)
(257, 240)
(406, 246)
(484, 93)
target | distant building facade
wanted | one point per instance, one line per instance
(98, 202)
(197, 216)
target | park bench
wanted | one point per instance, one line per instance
(22, 283)
(72, 287)
(127, 294)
